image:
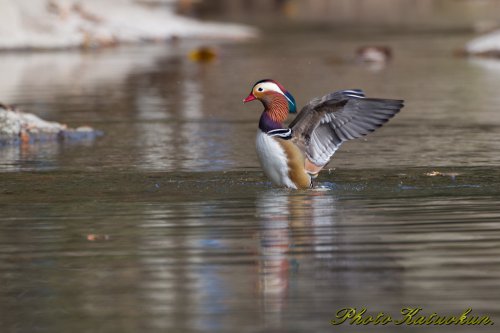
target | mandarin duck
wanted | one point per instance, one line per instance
(293, 156)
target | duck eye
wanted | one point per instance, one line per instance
(260, 89)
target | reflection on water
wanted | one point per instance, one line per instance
(43, 76)
(182, 256)
(29, 156)
(182, 136)
(284, 219)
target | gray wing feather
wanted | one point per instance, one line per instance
(326, 122)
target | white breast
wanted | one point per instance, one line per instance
(273, 160)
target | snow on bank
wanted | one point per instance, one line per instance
(487, 45)
(45, 24)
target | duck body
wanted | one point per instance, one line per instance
(293, 156)
(282, 161)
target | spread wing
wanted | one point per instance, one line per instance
(326, 122)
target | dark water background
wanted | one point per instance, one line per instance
(167, 224)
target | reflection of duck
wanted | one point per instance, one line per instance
(281, 214)
(293, 156)
(274, 244)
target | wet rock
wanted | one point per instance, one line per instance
(17, 127)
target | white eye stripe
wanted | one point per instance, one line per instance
(269, 86)
(272, 87)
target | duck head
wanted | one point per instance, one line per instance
(270, 93)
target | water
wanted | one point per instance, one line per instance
(167, 223)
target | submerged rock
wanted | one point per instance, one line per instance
(18, 127)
